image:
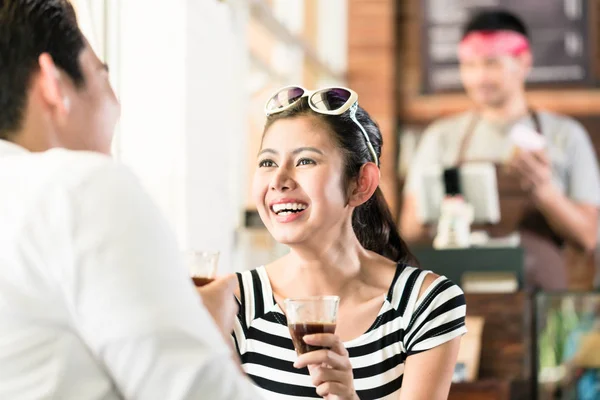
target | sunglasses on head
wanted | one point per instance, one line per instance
(326, 101)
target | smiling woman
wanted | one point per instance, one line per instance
(335, 110)
(316, 188)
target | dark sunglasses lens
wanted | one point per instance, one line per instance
(330, 99)
(284, 98)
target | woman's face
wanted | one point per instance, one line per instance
(298, 183)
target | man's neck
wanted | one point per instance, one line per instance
(34, 136)
(512, 110)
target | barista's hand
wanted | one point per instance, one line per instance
(533, 169)
(218, 297)
(330, 370)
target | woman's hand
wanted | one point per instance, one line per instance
(330, 370)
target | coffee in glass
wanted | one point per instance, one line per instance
(308, 316)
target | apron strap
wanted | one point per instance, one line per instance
(464, 145)
(536, 121)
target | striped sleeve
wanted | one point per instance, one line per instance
(255, 297)
(240, 328)
(438, 317)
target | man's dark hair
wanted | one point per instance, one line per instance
(495, 20)
(29, 28)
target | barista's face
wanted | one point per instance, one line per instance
(490, 81)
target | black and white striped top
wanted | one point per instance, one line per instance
(405, 326)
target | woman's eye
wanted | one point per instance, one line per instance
(305, 161)
(266, 164)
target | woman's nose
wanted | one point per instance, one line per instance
(283, 181)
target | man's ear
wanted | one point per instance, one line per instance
(51, 83)
(365, 185)
(526, 61)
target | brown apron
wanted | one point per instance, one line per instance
(545, 266)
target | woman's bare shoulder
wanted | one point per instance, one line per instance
(381, 271)
(427, 282)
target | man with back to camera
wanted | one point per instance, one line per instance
(559, 185)
(94, 302)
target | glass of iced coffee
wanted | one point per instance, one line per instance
(308, 316)
(202, 266)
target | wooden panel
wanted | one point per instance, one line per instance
(409, 58)
(481, 390)
(371, 72)
(364, 73)
(361, 15)
(506, 345)
(310, 35)
(570, 102)
(505, 367)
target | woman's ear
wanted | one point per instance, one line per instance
(365, 185)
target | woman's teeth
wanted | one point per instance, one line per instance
(288, 208)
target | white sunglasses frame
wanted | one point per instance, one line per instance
(351, 104)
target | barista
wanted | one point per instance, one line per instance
(551, 195)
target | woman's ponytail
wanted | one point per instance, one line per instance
(376, 230)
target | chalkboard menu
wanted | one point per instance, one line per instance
(559, 31)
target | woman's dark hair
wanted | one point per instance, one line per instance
(372, 221)
(29, 28)
(495, 20)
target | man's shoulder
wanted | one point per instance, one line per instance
(75, 168)
(556, 123)
(62, 170)
(562, 130)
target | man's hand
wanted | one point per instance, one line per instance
(218, 298)
(573, 221)
(533, 169)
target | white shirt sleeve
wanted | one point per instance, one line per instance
(132, 302)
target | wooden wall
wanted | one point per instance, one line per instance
(372, 74)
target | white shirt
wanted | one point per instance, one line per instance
(94, 301)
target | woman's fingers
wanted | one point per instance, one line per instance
(328, 340)
(324, 374)
(334, 353)
(324, 356)
(335, 389)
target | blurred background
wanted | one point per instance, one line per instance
(193, 77)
